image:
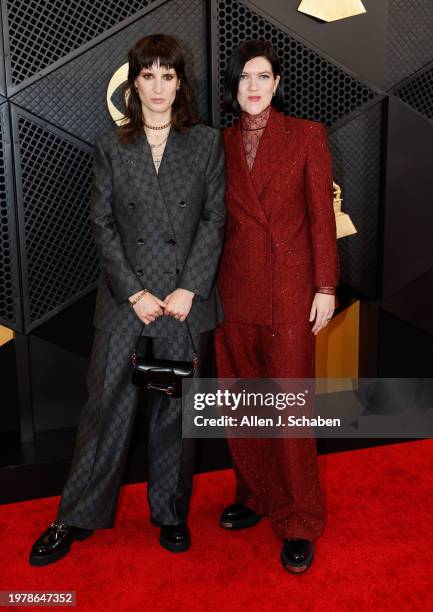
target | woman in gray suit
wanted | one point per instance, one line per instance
(158, 216)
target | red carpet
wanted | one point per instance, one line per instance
(376, 551)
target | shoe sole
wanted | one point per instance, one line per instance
(175, 548)
(37, 561)
(241, 524)
(301, 567)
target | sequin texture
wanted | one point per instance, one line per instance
(280, 249)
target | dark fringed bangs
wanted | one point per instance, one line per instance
(144, 54)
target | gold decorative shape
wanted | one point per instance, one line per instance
(331, 10)
(344, 223)
(118, 78)
(5, 335)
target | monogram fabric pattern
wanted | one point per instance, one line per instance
(159, 231)
(90, 494)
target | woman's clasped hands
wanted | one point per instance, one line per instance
(176, 304)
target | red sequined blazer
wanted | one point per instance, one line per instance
(281, 239)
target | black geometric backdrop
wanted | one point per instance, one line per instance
(10, 311)
(314, 87)
(59, 260)
(38, 34)
(409, 40)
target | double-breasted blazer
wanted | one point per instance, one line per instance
(281, 234)
(158, 231)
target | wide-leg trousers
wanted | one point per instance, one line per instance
(276, 477)
(106, 422)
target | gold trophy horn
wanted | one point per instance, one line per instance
(344, 223)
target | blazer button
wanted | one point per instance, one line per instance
(182, 204)
(139, 272)
(140, 241)
(131, 205)
(172, 242)
(177, 270)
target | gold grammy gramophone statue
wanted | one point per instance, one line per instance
(343, 222)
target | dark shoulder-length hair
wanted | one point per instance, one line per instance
(242, 54)
(169, 53)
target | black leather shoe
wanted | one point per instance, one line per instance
(55, 542)
(238, 516)
(175, 538)
(297, 555)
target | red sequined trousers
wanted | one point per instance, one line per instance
(277, 477)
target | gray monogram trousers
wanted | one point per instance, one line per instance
(106, 423)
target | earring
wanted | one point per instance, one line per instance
(273, 93)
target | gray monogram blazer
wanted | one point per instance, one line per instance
(159, 231)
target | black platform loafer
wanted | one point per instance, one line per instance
(55, 542)
(238, 516)
(297, 555)
(175, 538)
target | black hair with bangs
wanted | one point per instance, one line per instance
(144, 54)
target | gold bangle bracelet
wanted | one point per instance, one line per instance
(138, 298)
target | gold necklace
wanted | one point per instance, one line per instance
(157, 127)
(154, 146)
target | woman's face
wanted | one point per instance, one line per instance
(256, 85)
(156, 87)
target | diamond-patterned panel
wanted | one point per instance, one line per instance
(418, 92)
(407, 243)
(59, 255)
(73, 97)
(314, 88)
(409, 44)
(42, 31)
(357, 160)
(9, 282)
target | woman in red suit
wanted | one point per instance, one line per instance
(277, 282)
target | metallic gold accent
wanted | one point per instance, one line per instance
(157, 127)
(138, 298)
(344, 223)
(118, 78)
(332, 10)
(5, 335)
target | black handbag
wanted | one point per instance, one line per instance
(162, 375)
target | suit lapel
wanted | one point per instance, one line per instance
(176, 165)
(238, 175)
(269, 156)
(137, 158)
